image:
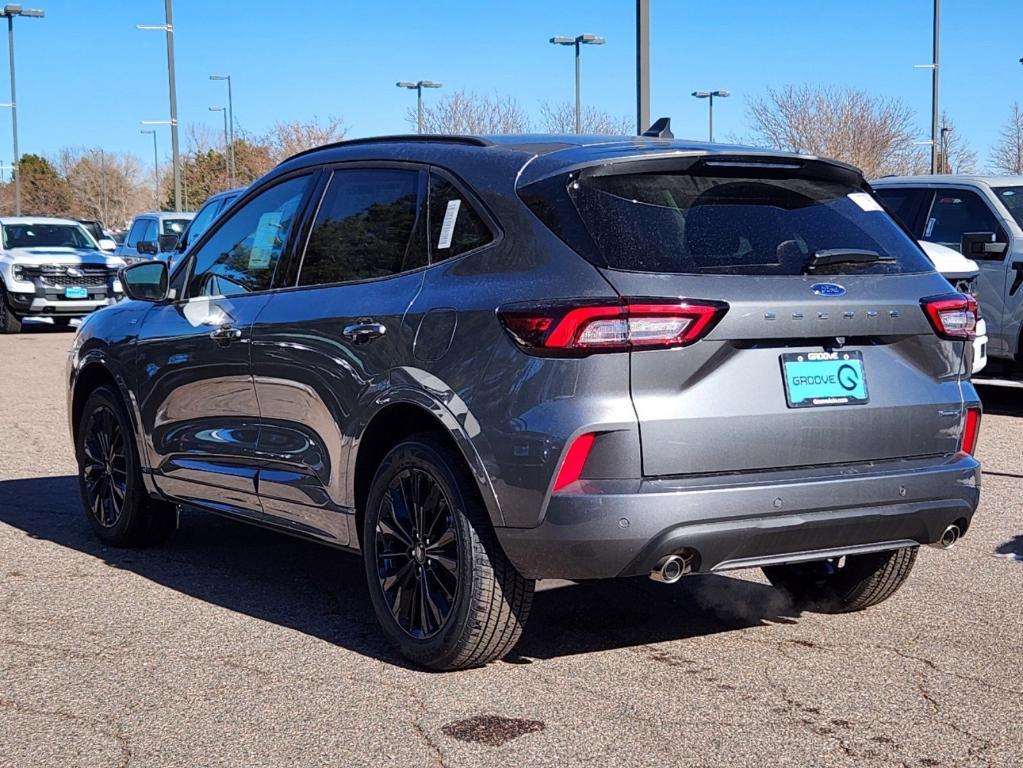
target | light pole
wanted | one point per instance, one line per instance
(168, 27)
(709, 95)
(418, 88)
(231, 170)
(642, 65)
(177, 177)
(227, 147)
(10, 11)
(578, 42)
(156, 169)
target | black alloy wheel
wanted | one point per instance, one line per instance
(105, 467)
(417, 553)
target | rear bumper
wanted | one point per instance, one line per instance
(610, 528)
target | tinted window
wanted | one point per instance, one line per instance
(1012, 199)
(149, 234)
(455, 226)
(46, 235)
(241, 255)
(709, 224)
(201, 222)
(136, 233)
(364, 228)
(955, 212)
(905, 204)
(174, 226)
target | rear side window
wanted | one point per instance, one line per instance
(365, 228)
(734, 223)
(455, 226)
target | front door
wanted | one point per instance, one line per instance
(323, 349)
(954, 212)
(199, 409)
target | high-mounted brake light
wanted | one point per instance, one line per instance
(971, 430)
(953, 316)
(578, 328)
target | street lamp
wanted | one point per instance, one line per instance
(230, 122)
(168, 27)
(156, 169)
(418, 88)
(10, 11)
(227, 147)
(709, 95)
(578, 42)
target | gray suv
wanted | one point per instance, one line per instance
(480, 362)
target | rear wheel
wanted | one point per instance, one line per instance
(9, 322)
(442, 589)
(846, 584)
(116, 503)
(62, 322)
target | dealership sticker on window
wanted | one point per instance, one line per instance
(447, 229)
(865, 201)
(265, 240)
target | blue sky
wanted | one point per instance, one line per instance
(86, 76)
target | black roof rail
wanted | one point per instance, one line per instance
(437, 138)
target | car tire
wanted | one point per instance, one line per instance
(114, 497)
(442, 589)
(9, 322)
(62, 322)
(847, 584)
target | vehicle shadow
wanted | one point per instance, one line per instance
(1000, 399)
(322, 592)
(1012, 549)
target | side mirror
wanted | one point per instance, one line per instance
(107, 245)
(148, 247)
(981, 245)
(146, 281)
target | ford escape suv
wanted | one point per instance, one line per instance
(480, 362)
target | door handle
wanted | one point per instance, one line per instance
(225, 334)
(364, 331)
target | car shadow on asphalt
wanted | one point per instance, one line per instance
(322, 592)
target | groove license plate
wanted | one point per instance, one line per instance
(76, 293)
(824, 378)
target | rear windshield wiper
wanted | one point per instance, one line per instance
(829, 257)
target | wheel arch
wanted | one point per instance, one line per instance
(404, 413)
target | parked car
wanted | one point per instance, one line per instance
(485, 361)
(205, 216)
(981, 216)
(153, 235)
(52, 268)
(963, 274)
(95, 228)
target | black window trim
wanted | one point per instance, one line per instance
(1000, 234)
(489, 220)
(182, 276)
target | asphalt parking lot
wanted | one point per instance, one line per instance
(235, 646)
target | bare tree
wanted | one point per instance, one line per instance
(467, 112)
(872, 133)
(288, 138)
(560, 118)
(1007, 156)
(108, 186)
(954, 153)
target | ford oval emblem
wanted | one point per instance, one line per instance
(827, 289)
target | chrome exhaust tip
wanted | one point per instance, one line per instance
(948, 539)
(670, 569)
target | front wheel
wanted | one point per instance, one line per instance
(9, 322)
(116, 503)
(442, 589)
(846, 584)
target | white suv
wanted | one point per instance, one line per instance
(982, 217)
(52, 268)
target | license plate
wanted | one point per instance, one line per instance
(824, 378)
(76, 293)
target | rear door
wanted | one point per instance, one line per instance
(809, 365)
(325, 348)
(953, 213)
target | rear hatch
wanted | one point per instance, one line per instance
(824, 354)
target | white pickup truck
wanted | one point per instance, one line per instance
(963, 274)
(53, 268)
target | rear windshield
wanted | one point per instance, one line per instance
(174, 226)
(1012, 199)
(715, 224)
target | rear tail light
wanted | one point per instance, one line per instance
(953, 316)
(971, 430)
(584, 327)
(575, 460)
